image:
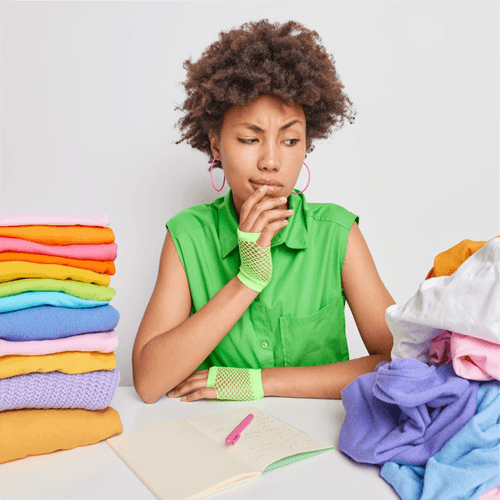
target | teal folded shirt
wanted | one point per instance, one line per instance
(33, 299)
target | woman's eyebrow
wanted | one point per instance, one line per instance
(251, 126)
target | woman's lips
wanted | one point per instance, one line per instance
(270, 188)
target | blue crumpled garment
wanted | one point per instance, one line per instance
(404, 411)
(468, 464)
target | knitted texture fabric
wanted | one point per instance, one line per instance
(101, 220)
(103, 267)
(256, 264)
(33, 299)
(13, 270)
(95, 342)
(236, 384)
(60, 235)
(90, 391)
(26, 433)
(103, 251)
(87, 291)
(48, 322)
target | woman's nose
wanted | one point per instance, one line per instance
(269, 157)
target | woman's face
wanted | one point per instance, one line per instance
(262, 140)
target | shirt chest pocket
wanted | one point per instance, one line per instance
(317, 339)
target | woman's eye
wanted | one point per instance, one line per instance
(292, 141)
(247, 141)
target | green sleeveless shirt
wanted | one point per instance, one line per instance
(298, 318)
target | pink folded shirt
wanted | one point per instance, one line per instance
(55, 220)
(100, 342)
(103, 251)
(472, 358)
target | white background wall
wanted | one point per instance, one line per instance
(88, 91)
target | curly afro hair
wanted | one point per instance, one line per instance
(258, 58)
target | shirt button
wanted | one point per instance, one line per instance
(263, 345)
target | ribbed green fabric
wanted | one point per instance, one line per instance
(75, 288)
(298, 318)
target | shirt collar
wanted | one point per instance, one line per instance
(294, 235)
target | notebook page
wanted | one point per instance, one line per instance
(174, 460)
(264, 441)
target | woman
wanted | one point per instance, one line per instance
(250, 295)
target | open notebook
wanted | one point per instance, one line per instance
(189, 459)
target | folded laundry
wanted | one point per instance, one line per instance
(467, 302)
(55, 220)
(440, 352)
(103, 267)
(64, 362)
(103, 251)
(10, 271)
(26, 433)
(33, 299)
(96, 342)
(60, 235)
(466, 466)
(48, 322)
(91, 391)
(86, 291)
(404, 411)
(447, 262)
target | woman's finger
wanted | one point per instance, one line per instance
(205, 393)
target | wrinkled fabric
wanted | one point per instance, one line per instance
(97, 342)
(49, 322)
(33, 299)
(466, 467)
(467, 302)
(404, 411)
(440, 352)
(103, 251)
(447, 262)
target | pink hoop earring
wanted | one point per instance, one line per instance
(211, 178)
(308, 181)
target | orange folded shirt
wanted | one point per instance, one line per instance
(30, 432)
(447, 262)
(71, 362)
(99, 266)
(60, 235)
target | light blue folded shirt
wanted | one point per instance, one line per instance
(466, 466)
(33, 299)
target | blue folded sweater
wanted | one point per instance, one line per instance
(50, 322)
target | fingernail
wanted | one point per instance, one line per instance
(183, 398)
(170, 394)
(264, 186)
(283, 198)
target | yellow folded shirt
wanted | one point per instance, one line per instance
(30, 432)
(13, 270)
(71, 362)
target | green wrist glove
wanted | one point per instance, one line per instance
(236, 384)
(256, 266)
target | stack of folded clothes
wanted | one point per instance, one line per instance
(57, 366)
(431, 417)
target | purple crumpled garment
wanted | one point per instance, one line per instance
(404, 411)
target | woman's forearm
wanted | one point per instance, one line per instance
(320, 382)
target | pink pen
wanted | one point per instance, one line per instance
(236, 434)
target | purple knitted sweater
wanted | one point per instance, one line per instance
(90, 391)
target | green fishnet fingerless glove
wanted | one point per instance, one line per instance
(256, 265)
(236, 384)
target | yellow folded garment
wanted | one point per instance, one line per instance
(57, 235)
(14, 270)
(71, 362)
(30, 432)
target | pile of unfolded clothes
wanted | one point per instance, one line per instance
(57, 366)
(431, 417)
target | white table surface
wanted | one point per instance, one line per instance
(95, 472)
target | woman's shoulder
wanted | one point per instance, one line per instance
(331, 212)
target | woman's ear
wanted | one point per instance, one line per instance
(214, 145)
